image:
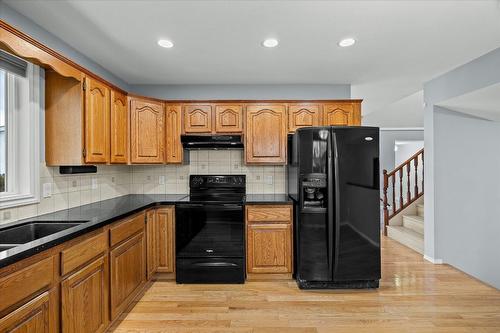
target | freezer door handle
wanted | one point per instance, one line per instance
(331, 208)
(337, 201)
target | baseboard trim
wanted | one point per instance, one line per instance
(433, 260)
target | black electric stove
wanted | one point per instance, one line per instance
(209, 231)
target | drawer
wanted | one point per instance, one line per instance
(127, 228)
(269, 213)
(24, 283)
(82, 252)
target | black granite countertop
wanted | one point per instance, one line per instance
(93, 216)
(268, 199)
(98, 214)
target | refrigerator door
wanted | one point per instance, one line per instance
(312, 231)
(356, 200)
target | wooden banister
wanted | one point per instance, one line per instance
(400, 174)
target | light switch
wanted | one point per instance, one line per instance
(161, 180)
(47, 190)
(268, 180)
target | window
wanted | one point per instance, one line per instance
(19, 131)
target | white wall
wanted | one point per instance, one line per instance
(467, 193)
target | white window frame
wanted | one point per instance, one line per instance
(23, 139)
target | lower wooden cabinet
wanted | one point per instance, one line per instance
(84, 296)
(128, 272)
(269, 239)
(160, 233)
(33, 317)
(165, 218)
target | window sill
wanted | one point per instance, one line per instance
(18, 200)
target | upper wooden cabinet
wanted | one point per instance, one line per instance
(229, 118)
(266, 134)
(342, 114)
(147, 124)
(173, 130)
(85, 122)
(97, 108)
(119, 128)
(303, 115)
(197, 118)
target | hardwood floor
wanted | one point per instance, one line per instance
(415, 296)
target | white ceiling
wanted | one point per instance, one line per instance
(401, 44)
(483, 103)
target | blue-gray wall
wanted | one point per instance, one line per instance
(246, 91)
(32, 29)
(461, 161)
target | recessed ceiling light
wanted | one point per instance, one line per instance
(347, 42)
(270, 42)
(165, 43)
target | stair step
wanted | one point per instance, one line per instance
(414, 222)
(420, 209)
(407, 237)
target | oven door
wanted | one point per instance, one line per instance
(209, 231)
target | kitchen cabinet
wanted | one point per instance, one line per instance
(269, 239)
(151, 243)
(303, 115)
(165, 218)
(160, 232)
(266, 134)
(173, 131)
(197, 118)
(97, 114)
(119, 128)
(84, 298)
(146, 131)
(228, 118)
(128, 272)
(342, 113)
(33, 317)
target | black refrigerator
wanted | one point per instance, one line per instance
(333, 178)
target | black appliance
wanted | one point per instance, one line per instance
(333, 175)
(209, 231)
(211, 141)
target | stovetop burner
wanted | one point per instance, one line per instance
(216, 189)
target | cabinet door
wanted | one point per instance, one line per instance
(151, 243)
(84, 296)
(173, 132)
(228, 118)
(342, 114)
(265, 135)
(119, 128)
(303, 115)
(33, 317)
(197, 119)
(166, 246)
(128, 272)
(146, 131)
(269, 248)
(97, 108)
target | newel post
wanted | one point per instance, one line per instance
(386, 210)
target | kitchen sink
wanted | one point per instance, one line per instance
(31, 231)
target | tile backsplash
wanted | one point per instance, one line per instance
(116, 180)
(174, 179)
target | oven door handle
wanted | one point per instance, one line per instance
(184, 206)
(215, 264)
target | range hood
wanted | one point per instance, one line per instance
(211, 141)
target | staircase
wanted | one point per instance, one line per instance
(403, 203)
(411, 232)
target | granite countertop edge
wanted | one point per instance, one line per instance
(99, 214)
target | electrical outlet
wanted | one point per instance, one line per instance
(73, 183)
(161, 180)
(47, 190)
(94, 183)
(7, 215)
(112, 179)
(268, 180)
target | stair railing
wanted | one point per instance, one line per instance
(402, 186)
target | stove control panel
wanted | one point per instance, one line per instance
(196, 181)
